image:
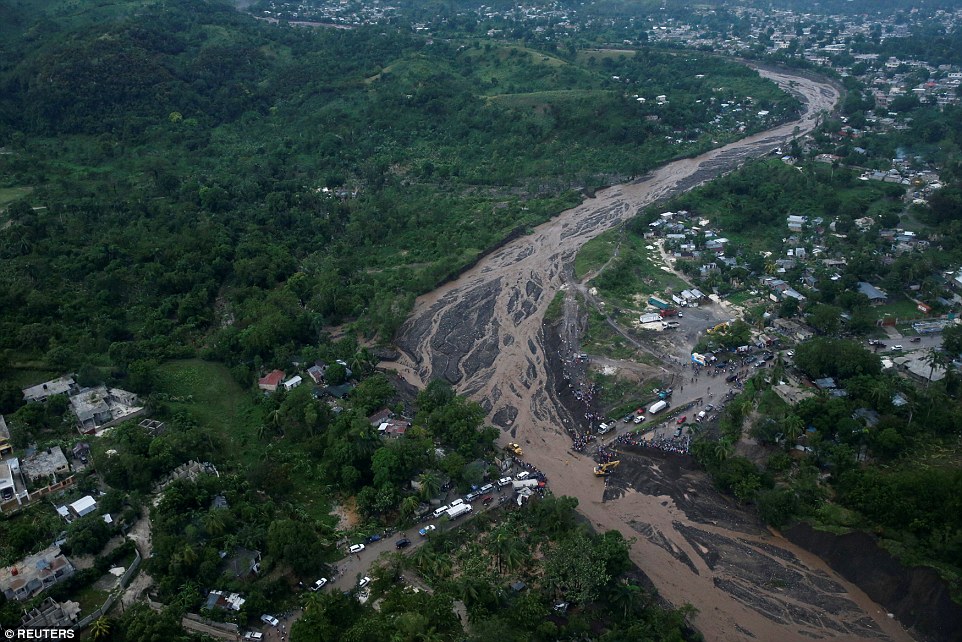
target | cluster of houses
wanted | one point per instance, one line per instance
(95, 409)
(34, 574)
(279, 380)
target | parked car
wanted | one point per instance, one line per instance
(678, 431)
(504, 481)
(487, 499)
(427, 529)
(639, 419)
(915, 339)
(270, 619)
(487, 488)
(319, 584)
(473, 495)
(253, 635)
(364, 581)
(681, 419)
(373, 538)
(402, 543)
(897, 348)
(355, 548)
(522, 475)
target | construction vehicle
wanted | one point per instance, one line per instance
(603, 470)
(515, 449)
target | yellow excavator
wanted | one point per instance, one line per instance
(603, 470)
(516, 449)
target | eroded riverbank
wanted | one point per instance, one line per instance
(484, 332)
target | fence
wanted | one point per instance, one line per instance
(12, 506)
(222, 630)
(114, 595)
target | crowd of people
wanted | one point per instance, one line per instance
(678, 445)
(580, 442)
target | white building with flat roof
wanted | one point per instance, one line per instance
(64, 385)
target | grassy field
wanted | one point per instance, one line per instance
(11, 194)
(555, 308)
(739, 298)
(601, 339)
(595, 253)
(630, 277)
(210, 395)
(902, 308)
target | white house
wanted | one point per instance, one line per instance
(83, 506)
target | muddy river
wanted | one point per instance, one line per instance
(485, 333)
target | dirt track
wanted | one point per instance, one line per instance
(484, 333)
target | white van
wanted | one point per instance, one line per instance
(522, 475)
(504, 481)
(701, 415)
(441, 510)
(456, 502)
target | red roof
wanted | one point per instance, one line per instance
(272, 378)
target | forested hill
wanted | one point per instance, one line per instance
(178, 177)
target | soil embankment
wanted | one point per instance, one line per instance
(916, 595)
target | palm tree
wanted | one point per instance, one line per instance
(186, 596)
(703, 450)
(407, 508)
(626, 596)
(934, 358)
(312, 601)
(880, 391)
(100, 629)
(794, 425)
(188, 556)
(723, 449)
(214, 522)
(430, 484)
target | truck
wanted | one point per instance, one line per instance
(531, 482)
(457, 511)
(658, 303)
(665, 394)
(668, 312)
(657, 407)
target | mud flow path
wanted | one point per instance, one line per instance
(484, 333)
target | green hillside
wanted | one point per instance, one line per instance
(183, 177)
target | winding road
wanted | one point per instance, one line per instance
(484, 332)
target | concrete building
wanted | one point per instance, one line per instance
(50, 613)
(64, 385)
(6, 448)
(102, 407)
(34, 574)
(47, 462)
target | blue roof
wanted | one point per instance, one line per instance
(871, 291)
